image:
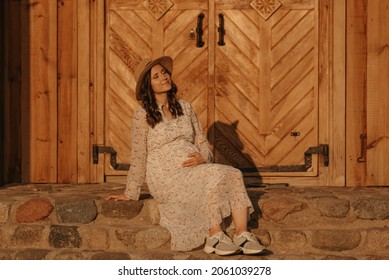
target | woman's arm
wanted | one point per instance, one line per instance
(201, 141)
(136, 176)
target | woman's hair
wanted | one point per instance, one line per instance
(149, 102)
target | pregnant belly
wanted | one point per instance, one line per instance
(168, 161)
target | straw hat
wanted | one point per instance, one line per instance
(145, 65)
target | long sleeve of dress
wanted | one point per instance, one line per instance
(136, 176)
(201, 141)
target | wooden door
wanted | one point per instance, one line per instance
(257, 95)
(266, 94)
(140, 29)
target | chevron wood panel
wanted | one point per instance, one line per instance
(129, 35)
(292, 90)
(190, 71)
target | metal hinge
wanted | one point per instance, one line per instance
(321, 149)
(112, 158)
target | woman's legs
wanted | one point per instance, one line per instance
(239, 217)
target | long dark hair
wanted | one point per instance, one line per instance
(149, 102)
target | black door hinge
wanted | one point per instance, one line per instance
(321, 149)
(112, 158)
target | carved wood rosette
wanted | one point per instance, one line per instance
(158, 7)
(265, 8)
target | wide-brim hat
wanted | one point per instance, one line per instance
(145, 65)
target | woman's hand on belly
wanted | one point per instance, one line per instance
(193, 160)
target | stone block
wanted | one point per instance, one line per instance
(335, 240)
(121, 209)
(277, 209)
(5, 254)
(64, 237)
(34, 210)
(110, 256)
(155, 238)
(70, 256)
(32, 254)
(27, 236)
(94, 238)
(290, 240)
(377, 240)
(80, 212)
(263, 235)
(333, 207)
(371, 208)
(127, 237)
(152, 213)
(4, 212)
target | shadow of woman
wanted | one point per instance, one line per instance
(229, 150)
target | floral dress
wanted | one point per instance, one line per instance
(191, 200)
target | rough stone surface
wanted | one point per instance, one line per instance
(290, 240)
(371, 208)
(333, 207)
(121, 209)
(5, 254)
(70, 256)
(377, 240)
(277, 209)
(64, 237)
(34, 210)
(4, 212)
(335, 240)
(82, 212)
(263, 235)
(26, 235)
(94, 238)
(111, 256)
(32, 254)
(127, 237)
(155, 238)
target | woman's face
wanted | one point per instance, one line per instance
(160, 79)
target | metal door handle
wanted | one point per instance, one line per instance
(199, 31)
(221, 30)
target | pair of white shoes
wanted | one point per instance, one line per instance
(222, 245)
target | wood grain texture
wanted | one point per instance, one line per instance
(266, 81)
(377, 93)
(39, 91)
(356, 93)
(67, 92)
(134, 34)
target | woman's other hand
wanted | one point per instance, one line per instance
(194, 160)
(117, 197)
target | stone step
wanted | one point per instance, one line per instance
(75, 222)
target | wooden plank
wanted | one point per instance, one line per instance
(67, 91)
(83, 92)
(324, 80)
(3, 27)
(39, 89)
(338, 94)
(99, 82)
(377, 93)
(356, 93)
(12, 97)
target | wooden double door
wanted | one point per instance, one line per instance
(251, 69)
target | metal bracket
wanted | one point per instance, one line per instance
(321, 149)
(112, 159)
